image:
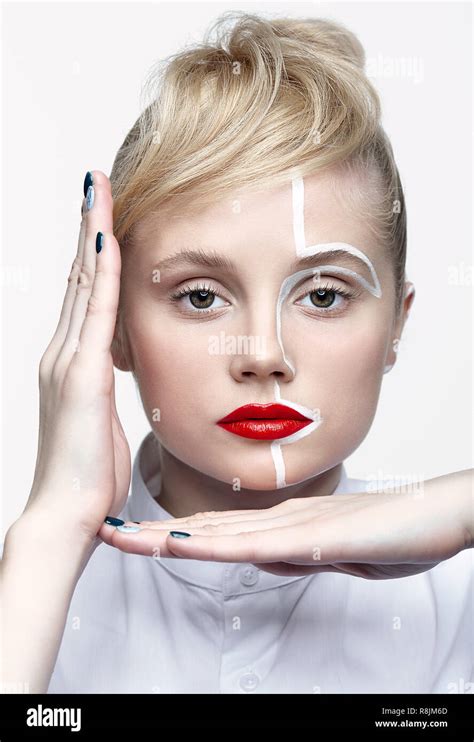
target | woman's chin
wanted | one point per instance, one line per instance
(256, 468)
(260, 477)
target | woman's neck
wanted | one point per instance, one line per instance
(185, 491)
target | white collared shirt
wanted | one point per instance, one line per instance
(141, 624)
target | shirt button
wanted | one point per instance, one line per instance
(249, 575)
(249, 681)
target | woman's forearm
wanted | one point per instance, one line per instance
(455, 492)
(38, 574)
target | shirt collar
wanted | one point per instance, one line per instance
(141, 505)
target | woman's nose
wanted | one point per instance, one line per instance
(260, 354)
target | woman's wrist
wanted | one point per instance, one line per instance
(34, 533)
(42, 563)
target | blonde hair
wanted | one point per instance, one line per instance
(256, 101)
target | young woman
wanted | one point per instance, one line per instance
(246, 263)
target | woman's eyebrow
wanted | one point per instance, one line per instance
(312, 260)
(207, 259)
(212, 259)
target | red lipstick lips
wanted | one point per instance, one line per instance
(264, 422)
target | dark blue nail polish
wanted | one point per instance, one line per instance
(99, 241)
(111, 521)
(88, 181)
(179, 534)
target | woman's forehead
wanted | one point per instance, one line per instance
(273, 224)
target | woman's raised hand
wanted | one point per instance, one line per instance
(373, 535)
(83, 465)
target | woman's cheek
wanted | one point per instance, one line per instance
(347, 369)
(174, 376)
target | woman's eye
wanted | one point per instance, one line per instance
(204, 299)
(198, 299)
(323, 298)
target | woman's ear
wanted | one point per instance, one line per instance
(408, 297)
(120, 348)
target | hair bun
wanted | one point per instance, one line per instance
(331, 39)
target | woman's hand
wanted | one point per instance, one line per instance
(376, 535)
(83, 464)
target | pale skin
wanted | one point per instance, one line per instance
(83, 466)
(301, 528)
(338, 365)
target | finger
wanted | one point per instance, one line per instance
(147, 544)
(221, 529)
(351, 539)
(98, 328)
(287, 507)
(217, 517)
(105, 533)
(59, 335)
(144, 542)
(99, 219)
(274, 544)
(70, 295)
(231, 521)
(113, 406)
(214, 517)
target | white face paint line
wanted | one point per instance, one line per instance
(304, 251)
(277, 456)
(297, 191)
(275, 446)
(376, 289)
(311, 414)
(288, 284)
(286, 287)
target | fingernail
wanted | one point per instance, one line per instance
(179, 534)
(90, 198)
(111, 521)
(128, 529)
(99, 241)
(87, 181)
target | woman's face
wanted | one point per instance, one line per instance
(226, 307)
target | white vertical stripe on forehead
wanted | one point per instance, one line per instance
(303, 250)
(297, 190)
